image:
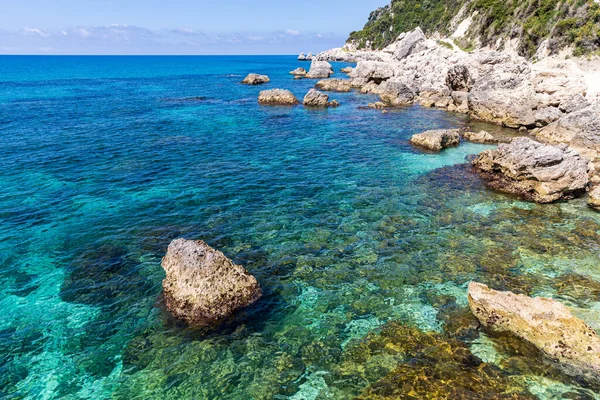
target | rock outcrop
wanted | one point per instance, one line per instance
(534, 171)
(545, 323)
(436, 140)
(255, 79)
(334, 85)
(202, 285)
(319, 69)
(396, 94)
(407, 43)
(280, 97)
(480, 137)
(314, 98)
(346, 70)
(307, 57)
(298, 72)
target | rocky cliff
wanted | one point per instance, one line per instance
(530, 28)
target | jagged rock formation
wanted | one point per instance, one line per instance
(530, 28)
(314, 98)
(479, 137)
(202, 285)
(545, 323)
(334, 85)
(280, 97)
(319, 69)
(255, 79)
(436, 140)
(534, 171)
(594, 198)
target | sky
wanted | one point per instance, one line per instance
(179, 26)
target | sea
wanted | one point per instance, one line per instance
(363, 245)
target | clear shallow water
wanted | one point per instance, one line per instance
(363, 246)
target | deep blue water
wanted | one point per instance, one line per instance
(105, 160)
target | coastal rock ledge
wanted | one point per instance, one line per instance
(202, 285)
(534, 171)
(545, 323)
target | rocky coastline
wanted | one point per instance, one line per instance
(555, 101)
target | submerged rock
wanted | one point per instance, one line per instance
(319, 69)
(277, 97)
(203, 285)
(436, 140)
(545, 323)
(534, 171)
(298, 72)
(255, 79)
(479, 137)
(346, 70)
(334, 85)
(314, 98)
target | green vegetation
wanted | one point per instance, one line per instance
(563, 23)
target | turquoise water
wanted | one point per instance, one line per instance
(351, 232)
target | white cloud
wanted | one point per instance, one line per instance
(255, 38)
(36, 31)
(292, 32)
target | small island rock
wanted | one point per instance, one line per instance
(255, 79)
(534, 171)
(277, 97)
(314, 98)
(202, 285)
(436, 140)
(319, 69)
(545, 323)
(298, 72)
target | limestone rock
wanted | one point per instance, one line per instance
(407, 43)
(545, 323)
(480, 137)
(334, 85)
(277, 97)
(372, 71)
(202, 285)
(547, 115)
(314, 98)
(396, 94)
(378, 105)
(298, 72)
(594, 198)
(255, 79)
(534, 171)
(319, 69)
(346, 70)
(436, 140)
(459, 78)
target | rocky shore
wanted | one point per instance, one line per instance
(555, 101)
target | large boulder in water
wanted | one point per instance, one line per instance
(280, 97)
(255, 79)
(436, 140)
(202, 285)
(334, 85)
(545, 323)
(319, 69)
(314, 98)
(534, 171)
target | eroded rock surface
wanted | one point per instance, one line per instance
(545, 323)
(298, 72)
(334, 85)
(202, 285)
(534, 171)
(255, 79)
(480, 137)
(280, 97)
(314, 98)
(594, 198)
(319, 69)
(436, 140)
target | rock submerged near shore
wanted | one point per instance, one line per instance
(545, 323)
(534, 171)
(436, 140)
(255, 79)
(202, 286)
(279, 97)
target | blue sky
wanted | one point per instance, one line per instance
(178, 26)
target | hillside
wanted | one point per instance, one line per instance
(523, 25)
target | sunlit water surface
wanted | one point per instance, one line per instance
(363, 246)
